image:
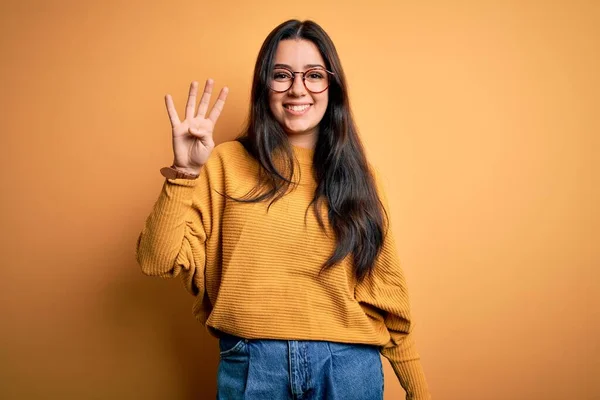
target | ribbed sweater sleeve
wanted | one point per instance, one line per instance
(172, 242)
(384, 295)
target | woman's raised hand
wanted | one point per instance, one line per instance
(193, 137)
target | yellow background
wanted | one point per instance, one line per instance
(482, 116)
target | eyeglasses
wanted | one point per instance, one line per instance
(316, 80)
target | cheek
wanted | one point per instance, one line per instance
(323, 103)
(276, 108)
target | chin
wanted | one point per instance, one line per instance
(296, 129)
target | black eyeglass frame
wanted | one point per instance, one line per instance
(303, 79)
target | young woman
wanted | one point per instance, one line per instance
(282, 237)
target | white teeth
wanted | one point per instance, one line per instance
(297, 108)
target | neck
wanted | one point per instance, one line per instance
(307, 140)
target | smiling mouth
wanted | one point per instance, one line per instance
(297, 108)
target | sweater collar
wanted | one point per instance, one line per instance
(304, 155)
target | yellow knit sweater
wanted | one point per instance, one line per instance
(255, 273)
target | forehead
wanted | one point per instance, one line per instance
(298, 53)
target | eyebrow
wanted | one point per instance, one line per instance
(306, 66)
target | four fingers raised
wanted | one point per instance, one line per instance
(202, 107)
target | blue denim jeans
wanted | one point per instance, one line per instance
(297, 369)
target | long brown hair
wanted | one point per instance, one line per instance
(344, 180)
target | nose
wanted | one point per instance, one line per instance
(297, 88)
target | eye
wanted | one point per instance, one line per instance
(281, 75)
(315, 75)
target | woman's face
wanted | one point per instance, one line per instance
(298, 110)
